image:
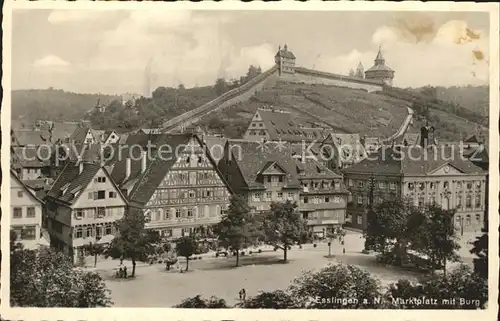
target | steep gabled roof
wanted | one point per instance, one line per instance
(14, 176)
(254, 159)
(30, 157)
(281, 125)
(158, 167)
(72, 182)
(30, 137)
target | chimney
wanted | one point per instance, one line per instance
(127, 168)
(143, 161)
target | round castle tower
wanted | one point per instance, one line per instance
(380, 71)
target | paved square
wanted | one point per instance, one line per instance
(156, 287)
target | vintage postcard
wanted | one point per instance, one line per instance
(239, 161)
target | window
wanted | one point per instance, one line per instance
(478, 200)
(79, 214)
(432, 200)
(290, 196)
(468, 201)
(178, 213)
(446, 185)
(459, 201)
(100, 179)
(269, 179)
(89, 232)
(108, 230)
(19, 194)
(478, 184)
(432, 185)
(361, 184)
(359, 199)
(327, 199)
(269, 196)
(100, 195)
(166, 214)
(478, 218)
(280, 196)
(305, 215)
(256, 197)
(420, 202)
(411, 186)
(112, 194)
(349, 182)
(306, 200)
(78, 233)
(201, 211)
(101, 212)
(360, 219)
(421, 186)
(336, 199)
(467, 220)
(31, 212)
(381, 185)
(392, 186)
(459, 185)
(18, 212)
(469, 185)
(280, 179)
(28, 233)
(91, 195)
(190, 212)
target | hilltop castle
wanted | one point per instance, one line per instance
(379, 73)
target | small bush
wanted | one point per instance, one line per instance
(250, 252)
(260, 251)
(315, 245)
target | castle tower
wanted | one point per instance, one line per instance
(380, 71)
(285, 60)
(360, 71)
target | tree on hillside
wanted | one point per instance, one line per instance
(93, 249)
(186, 247)
(253, 71)
(221, 86)
(47, 278)
(390, 228)
(353, 287)
(133, 240)
(198, 302)
(460, 289)
(435, 236)
(238, 228)
(283, 225)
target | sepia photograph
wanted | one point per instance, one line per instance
(250, 159)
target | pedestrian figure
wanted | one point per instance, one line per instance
(120, 272)
(343, 250)
(242, 294)
(125, 271)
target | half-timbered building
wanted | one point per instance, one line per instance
(176, 184)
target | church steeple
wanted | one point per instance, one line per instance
(379, 60)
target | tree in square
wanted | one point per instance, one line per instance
(283, 225)
(238, 228)
(133, 240)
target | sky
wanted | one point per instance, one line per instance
(105, 51)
